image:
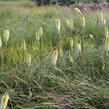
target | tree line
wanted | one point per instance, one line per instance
(65, 2)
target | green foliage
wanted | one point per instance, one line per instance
(63, 2)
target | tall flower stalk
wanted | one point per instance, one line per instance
(39, 35)
(106, 32)
(102, 18)
(28, 59)
(58, 28)
(69, 24)
(71, 43)
(83, 23)
(107, 45)
(79, 52)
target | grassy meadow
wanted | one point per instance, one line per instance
(53, 57)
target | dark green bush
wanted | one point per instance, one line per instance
(64, 2)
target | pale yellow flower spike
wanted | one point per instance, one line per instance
(54, 57)
(37, 36)
(82, 17)
(24, 45)
(69, 23)
(71, 59)
(107, 44)
(78, 47)
(39, 33)
(102, 18)
(29, 60)
(0, 42)
(78, 10)
(83, 21)
(6, 35)
(106, 32)
(4, 101)
(58, 25)
(91, 36)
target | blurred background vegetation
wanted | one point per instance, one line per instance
(61, 2)
(66, 2)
